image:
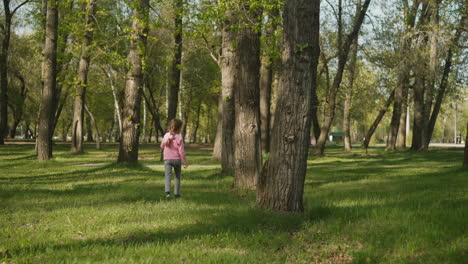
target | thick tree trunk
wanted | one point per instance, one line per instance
(418, 122)
(80, 88)
(129, 141)
(49, 79)
(377, 120)
(217, 149)
(96, 134)
(343, 53)
(4, 70)
(281, 184)
(401, 138)
(248, 149)
(176, 64)
(229, 77)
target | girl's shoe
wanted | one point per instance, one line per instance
(168, 195)
(177, 196)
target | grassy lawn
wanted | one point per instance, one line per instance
(396, 207)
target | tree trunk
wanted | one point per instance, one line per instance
(176, 64)
(17, 110)
(281, 184)
(229, 78)
(129, 141)
(217, 149)
(4, 71)
(418, 122)
(248, 149)
(343, 53)
(46, 112)
(80, 88)
(96, 134)
(266, 80)
(197, 124)
(465, 160)
(377, 120)
(445, 75)
(108, 73)
(401, 138)
(89, 130)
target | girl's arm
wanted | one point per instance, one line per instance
(181, 150)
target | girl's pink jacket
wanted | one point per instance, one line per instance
(175, 151)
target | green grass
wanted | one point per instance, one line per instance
(386, 207)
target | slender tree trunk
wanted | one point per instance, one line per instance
(89, 130)
(80, 88)
(129, 141)
(349, 91)
(96, 134)
(401, 138)
(197, 124)
(217, 149)
(176, 64)
(343, 50)
(465, 160)
(108, 73)
(281, 184)
(445, 75)
(46, 112)
(17, 111)
(248, 149)
(377, 120)
(266, 81)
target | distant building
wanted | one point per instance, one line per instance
(336, 136)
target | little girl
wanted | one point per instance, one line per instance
(174, 155)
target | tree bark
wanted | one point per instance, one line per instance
(343, 53)
(17, 110)
(217, 148)
(197, 124)
(401, 138)
(176, 64)
(89, 130)
(96, 134)
(266, 80)
(108, 73)
(4, 71)
(281, 184)
(129, 141)
(465, 160)
(248, 149)
(80, 88)
(229, 78)
(377, 120)
(46, 112)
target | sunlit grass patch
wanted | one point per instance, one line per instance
(392, 207)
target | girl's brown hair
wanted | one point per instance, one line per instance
(175, 125)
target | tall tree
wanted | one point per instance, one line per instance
(80, 88)
(281, 184)
(6, 36)
(247, 150)
(128, 151)
(343, 54)
(49, 80)
(176, 64)
(403, 71)
(349, 90)
(375, 124)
